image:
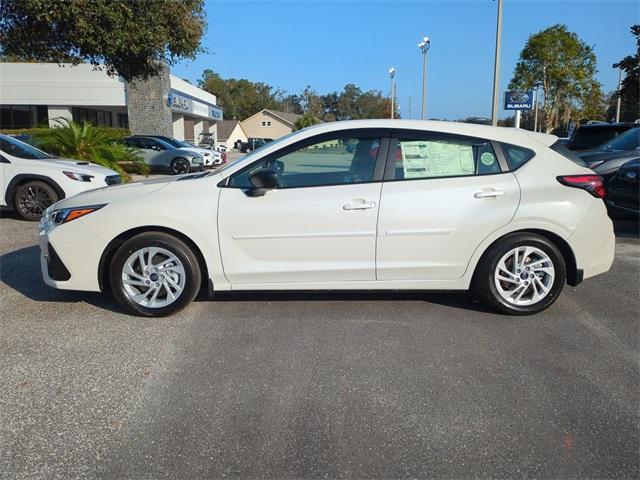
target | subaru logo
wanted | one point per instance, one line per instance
(519, 97)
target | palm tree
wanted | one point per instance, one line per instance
(93, 144)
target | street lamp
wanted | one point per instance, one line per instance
(424, 48)
(392, 74)
(537, 86)
(619, 66)
(496, 67)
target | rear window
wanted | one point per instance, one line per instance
(594, 136)
(516, 156)
(558, 147)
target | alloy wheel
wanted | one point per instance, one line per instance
(153, 277)
(34, 201)
(524, 276)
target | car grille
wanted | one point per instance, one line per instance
(113, 180)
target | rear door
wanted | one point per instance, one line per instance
(442, 195)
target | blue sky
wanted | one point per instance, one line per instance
(327, 44)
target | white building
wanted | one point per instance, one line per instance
(33, 94)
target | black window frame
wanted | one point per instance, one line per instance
(378, 170)
(397, 135)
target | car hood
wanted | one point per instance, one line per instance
(79, 166)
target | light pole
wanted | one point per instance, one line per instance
(392, 74)
(618, 66)
(496, 67)
(535, 117)
(424, 47)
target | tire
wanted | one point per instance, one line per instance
(180, 166)
(545, 278)
(32, 199)
(176, 265)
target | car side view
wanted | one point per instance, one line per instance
(162, 157)
(356, 205)
(32, 180)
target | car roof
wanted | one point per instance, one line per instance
(503, 134)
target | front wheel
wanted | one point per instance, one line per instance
(521, 274)
(33, 198)
(179, 166)
(154, 275)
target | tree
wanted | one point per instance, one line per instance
(305, 121)
(240, 98)
(94, 144)
(565, 67)
(630, 88)
(130, 38)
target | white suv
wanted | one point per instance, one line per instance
(31, 180)
(371, 204)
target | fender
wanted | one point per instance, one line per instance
(13, 184)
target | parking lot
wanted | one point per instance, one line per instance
(317, 385)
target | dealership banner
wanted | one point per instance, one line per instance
(518, 100)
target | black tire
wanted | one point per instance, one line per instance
(165, 241)
(32, 199)
(485, 285)
(180, 166)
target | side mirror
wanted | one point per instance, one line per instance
(262, 181)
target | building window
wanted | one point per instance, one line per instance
(266, 124)
(123, 120)
(101, 118)
(24, 116)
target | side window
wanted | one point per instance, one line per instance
(516, 156)
(434, 157)
(334, 161)
(132, 142)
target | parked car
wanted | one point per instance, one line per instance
(593, 135)
(32, 180)
(623, 191)
(418, 205)
(253, 144)
(607, 158)
(210, 157)
(164, 157)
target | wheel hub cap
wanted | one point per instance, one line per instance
(153, 277)
(524, 276)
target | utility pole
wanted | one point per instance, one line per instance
(496, 67)
(409, 107)
(618, 66)
(392, 74)
(424, 48)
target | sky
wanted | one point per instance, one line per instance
(327, 44)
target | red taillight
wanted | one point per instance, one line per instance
(594, 184)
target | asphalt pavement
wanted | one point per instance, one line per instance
(317, 385)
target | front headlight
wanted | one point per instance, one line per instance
(80, 177)
(65, 215)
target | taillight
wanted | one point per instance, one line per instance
(594, 184)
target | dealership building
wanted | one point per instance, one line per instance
(36, 94)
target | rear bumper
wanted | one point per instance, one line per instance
(593, 242)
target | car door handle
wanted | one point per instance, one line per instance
(359, 205)
(489, 194)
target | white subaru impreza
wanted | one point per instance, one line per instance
(371, 204)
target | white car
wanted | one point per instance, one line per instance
(31, 180)
(210, 157)
(370, 204)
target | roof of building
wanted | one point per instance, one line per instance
(286, 117)
(225, 127)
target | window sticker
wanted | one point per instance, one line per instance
(422, 159)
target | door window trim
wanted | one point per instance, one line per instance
(397, 135)
(378, 170)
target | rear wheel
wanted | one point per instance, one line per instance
(521, 274)
(33, 198)
(179, 166)
(154, 274)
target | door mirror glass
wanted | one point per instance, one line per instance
(262, 181)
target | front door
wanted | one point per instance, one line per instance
(443, 195)
(318, 226)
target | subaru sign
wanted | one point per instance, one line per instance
(518, 100)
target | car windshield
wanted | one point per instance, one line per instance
(629, 140)
(16, 148)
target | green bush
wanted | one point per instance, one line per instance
(99, 145)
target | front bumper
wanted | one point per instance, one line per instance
(69, 256)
